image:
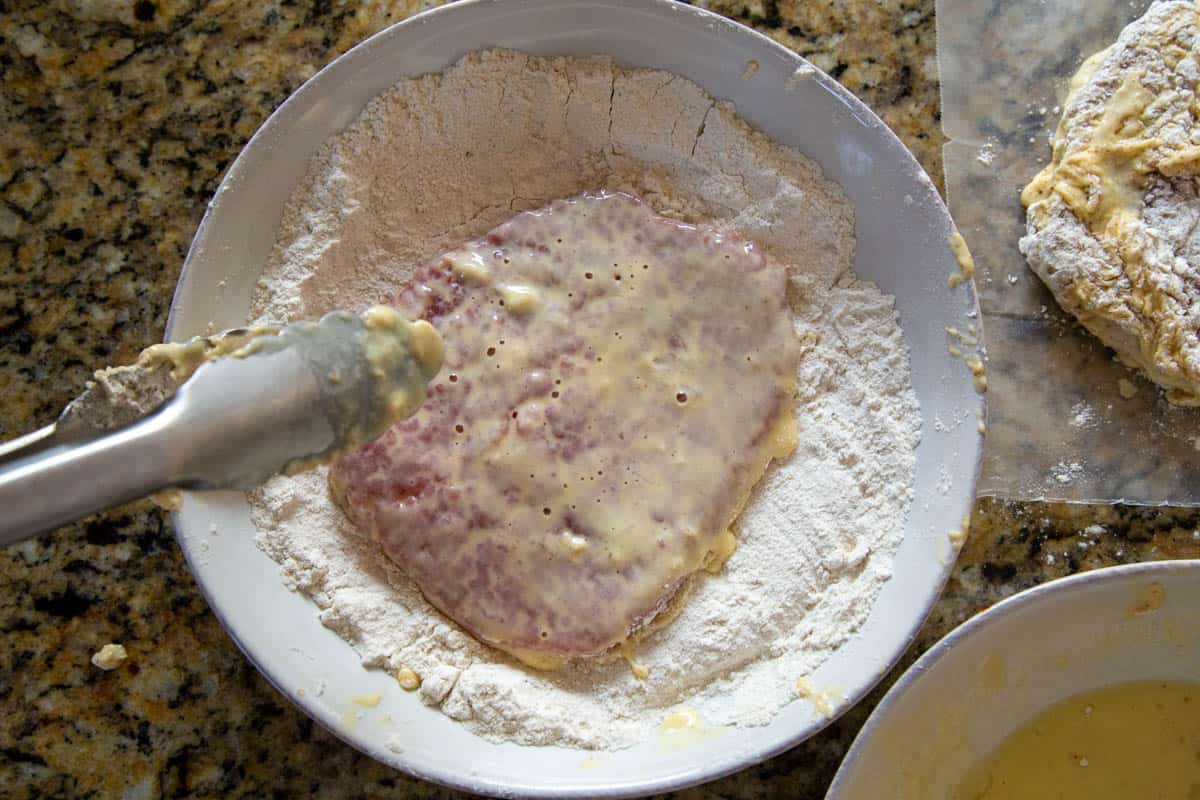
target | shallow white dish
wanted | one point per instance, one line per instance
(902, 230)
(999, 669)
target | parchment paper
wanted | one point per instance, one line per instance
(1059, 427)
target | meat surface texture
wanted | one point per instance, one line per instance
(615, 383)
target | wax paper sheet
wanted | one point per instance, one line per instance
(1065, 420)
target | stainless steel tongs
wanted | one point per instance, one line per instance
(300, 394)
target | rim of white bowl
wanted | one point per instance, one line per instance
(459, 780)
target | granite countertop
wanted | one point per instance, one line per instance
(119, 121)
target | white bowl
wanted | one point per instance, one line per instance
(993, 673)
(902, 230)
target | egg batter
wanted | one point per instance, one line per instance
(1132, 740)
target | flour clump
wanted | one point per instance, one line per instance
(815, 542)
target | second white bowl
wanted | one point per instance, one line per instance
(1001, 668)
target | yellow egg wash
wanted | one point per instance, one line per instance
(824, 701)
(966, 262)
(683, 728)
(1123, 742)
(966, 272)
(367, 700)
(639, 670)
(409, 680)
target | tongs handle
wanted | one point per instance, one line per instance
(46, 481)
(233, 424)
(29, 444)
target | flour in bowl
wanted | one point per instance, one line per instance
(441, 159)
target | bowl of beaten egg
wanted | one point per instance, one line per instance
(1085, 687)
(902, 232)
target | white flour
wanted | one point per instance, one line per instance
(441, 159)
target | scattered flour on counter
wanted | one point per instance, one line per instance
(1065, 472)
(441, 159)
(1082, 415)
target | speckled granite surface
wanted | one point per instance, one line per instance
(119, 119)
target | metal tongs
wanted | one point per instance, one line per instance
(296, 395)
